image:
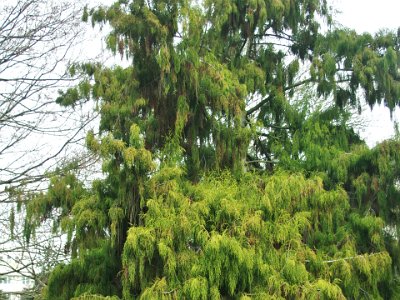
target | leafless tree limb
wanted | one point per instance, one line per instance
(37, 42)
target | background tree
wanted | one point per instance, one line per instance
(36, 43)
(32, 259)
(217, 184)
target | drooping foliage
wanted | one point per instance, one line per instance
(221, 177)
(279, 236)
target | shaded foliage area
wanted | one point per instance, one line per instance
(218, 183)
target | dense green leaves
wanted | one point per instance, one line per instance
(254, 236)
(231, 167)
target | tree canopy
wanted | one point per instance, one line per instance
(222, 177)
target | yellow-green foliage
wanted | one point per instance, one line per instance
(203, 237)
(228, 173)
(139, 248)
(196, 288)
(322, 289)
(281, 236)
(94, 297)
(260, 236)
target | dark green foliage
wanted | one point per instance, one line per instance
(2, 296)
(94, 272)
(223, 179)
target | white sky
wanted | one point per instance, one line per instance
(370, 16)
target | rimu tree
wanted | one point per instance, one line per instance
(218, 184)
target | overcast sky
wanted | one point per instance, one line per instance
(370, 16)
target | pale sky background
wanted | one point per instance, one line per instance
(370, 16)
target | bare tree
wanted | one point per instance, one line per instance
(36, 38)
(38, 41)
(32, 259)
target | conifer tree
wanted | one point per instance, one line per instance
(217, 183)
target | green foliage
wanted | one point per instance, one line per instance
(2, 296)
(12, 222)
(255, 235)
(93, 273)
(94, 297)
(228, 174)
